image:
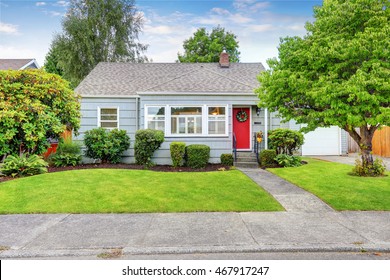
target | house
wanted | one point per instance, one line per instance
(18, 64)
(195, 103)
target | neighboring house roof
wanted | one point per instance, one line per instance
(125, 79)
(18, 64)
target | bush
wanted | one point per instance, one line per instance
(267, 158)
(285, 141)
(68, 153)
(106, 145)
(147, 141)
(178, 150)
(288, 161)
(377, 169)
(197, 155)
(227, 159)
(18, 166)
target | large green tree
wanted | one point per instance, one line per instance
(34, 106)
(206, 47)
(338, 74)
(52, 59)
(98, 31)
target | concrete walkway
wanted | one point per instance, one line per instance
(308, 224)
(350, 159)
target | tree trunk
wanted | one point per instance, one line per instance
(364, 140)
(365, 145)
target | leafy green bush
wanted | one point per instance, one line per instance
(68, 153)
(267, 158)
(178, 150)
(197, 155)
(106, 145)
(288, 161)
(147, 141)
(285, 141)
(18, 166)
(227, 159)
(377, 169)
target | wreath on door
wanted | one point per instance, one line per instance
(242, 116)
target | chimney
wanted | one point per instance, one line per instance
(224, 59)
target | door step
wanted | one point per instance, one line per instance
(246, 160)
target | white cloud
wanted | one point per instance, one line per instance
(261, 28)
(62, 3)
(250, 5)
(8, 28)
(55, 14)
(159, 29)
(239, 18)
(40, 4)
(241, 4)
(220, 11)
(16, 52)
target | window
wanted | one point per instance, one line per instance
(178, 121)
(108, 118)
(155, 118)
(186, 120)
(217, 120)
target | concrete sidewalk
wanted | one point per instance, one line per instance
(308, 224)
(89, 235)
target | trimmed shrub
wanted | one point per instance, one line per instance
(178, 150)
(285, 141)
(19, 166)
(267, 158)
(377, 169)
(197, 155)
(288, 161)
(106, 145)
(68, 154)
(147, 141)
(227, 159)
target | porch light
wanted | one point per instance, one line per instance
(258, 111)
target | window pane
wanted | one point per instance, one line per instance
(182, 125)
(215, 111)
(109, 124)
(217, 127)
(108, 118)
(186, 111)
(158, 125)
(153, 111)
(108, 111)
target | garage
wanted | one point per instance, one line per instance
(322, 141)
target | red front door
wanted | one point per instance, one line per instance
(242, 127)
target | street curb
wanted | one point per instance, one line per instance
(16, 254)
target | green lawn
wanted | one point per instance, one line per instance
(134, 191)
(330, 182)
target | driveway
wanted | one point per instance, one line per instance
(350, 159)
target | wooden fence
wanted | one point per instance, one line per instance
(380, 143)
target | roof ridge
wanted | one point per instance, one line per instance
(175, 78)
(233, 80)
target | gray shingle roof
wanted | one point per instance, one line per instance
(16, 64)
(132, 78)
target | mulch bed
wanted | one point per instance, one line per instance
(160, 168)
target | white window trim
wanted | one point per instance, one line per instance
(99, 115)
(146, 115)
(205, 120)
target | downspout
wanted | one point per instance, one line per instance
(136, 114)
(266, 128)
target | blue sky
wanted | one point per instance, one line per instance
(27, 27)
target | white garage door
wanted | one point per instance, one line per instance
(322, 141)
